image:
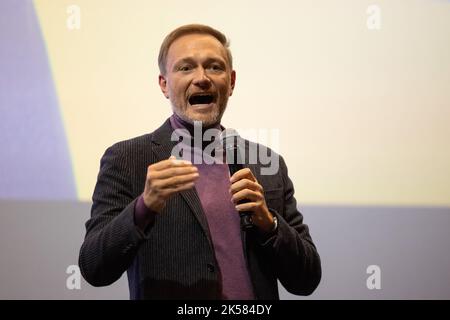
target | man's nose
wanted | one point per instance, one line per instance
(201, 79)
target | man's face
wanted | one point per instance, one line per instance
(198, 79)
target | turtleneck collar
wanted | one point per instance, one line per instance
(177, 123)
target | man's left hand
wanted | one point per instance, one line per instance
(244, 186)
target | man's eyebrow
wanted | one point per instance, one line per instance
(193, 61)
(184, 60)
(181, 61)
(218, 59)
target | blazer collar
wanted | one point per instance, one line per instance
(163, 133)
(162, 148)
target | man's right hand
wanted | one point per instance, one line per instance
(166, 178)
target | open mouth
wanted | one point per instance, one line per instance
(201, 98)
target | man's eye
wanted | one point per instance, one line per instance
(184, 68)
(216, 67)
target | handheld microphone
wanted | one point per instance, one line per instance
(234, 157)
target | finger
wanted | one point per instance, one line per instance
(171, 162)
(172, 172)
(245, 173)
(182, 187)
(245, 184)
(248, 206)
(173, 182)
(167, 193)
(247, 195)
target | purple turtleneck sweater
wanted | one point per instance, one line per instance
(212, 187)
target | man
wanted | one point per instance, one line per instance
(174, 226)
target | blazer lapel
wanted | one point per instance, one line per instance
(162, 148)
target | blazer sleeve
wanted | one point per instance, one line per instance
(294, 255)
(112, 239)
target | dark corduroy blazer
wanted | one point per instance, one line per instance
(174, 257)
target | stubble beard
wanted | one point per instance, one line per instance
(208, 120)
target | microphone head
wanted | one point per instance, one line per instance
(233, 146)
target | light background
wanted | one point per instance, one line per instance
(363, 115)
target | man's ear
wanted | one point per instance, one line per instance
(163, 85)
(232, 82)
